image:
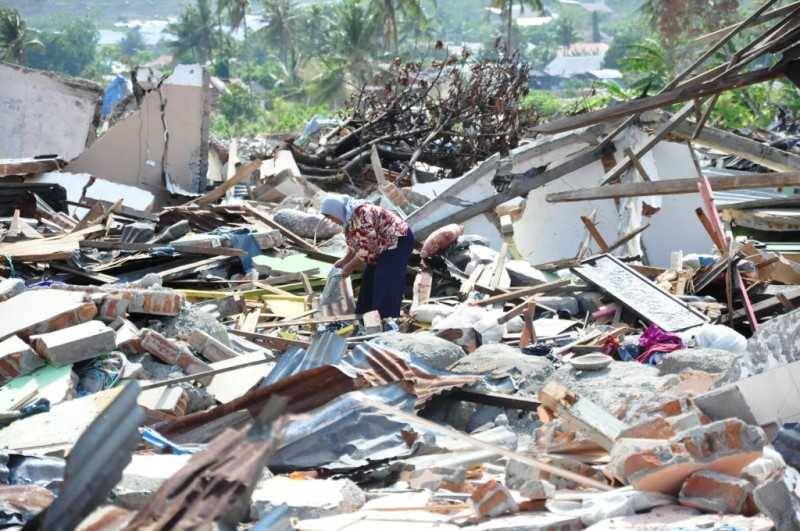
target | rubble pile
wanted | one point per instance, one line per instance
(175, 351)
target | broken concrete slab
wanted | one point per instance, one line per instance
(308, 498)
(779, 499)
(17, 358)
(724, 403)
(44, 310)
(172, 401)
(713, 492)
(144, 475)
(775, 344)
(57, 430)
(679, 517)
(228, 386)
(127, 337)
(600, 506)
(183, 158)
(51, 114)
(10, 287)
(435, 351)
(583, 414)
(75, 343)
(85, 188)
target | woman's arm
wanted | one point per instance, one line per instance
(355, 263)
(346, 258)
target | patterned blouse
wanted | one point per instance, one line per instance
(373, 230)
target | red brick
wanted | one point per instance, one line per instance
(171, 352)
(17, 358)
(493, 499)
(652, 428)
(715, 493)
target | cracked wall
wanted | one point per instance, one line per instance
(45, 114)
(136, 151)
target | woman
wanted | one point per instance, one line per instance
(381, 240)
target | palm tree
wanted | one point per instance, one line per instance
(194, 32)
(506, 7)
(15, 39)
(279, 30)
(236, 11)
(351, 62)
(386, 10)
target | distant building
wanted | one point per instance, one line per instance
(582, 60)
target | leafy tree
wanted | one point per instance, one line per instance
(624, 38)
(69, 49)
(15, 40)
(194, 35)
(132, 42)
(506, 8)
(565, 31)
(647, 65)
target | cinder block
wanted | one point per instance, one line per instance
(76, 343)
(17, 358)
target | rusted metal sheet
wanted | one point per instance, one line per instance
(639, 294)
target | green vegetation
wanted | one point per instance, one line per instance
(308, 58)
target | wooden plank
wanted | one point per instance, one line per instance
(191, 268)
(758, 152)
(183, 249)
(58, 247)
(515, 311)
(278, 343)
(493, 399)
(499, 266)
(242, 172)
(772, 303)
(275, 225)
(523, 293)
(760, 19)
(678, 186)
(29, 166)
(628, 237)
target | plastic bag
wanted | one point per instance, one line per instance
(716, 336)
(427, 313)
(337, 296)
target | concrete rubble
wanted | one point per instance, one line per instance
(591, 338)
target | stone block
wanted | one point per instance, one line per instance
(211, 348)
(17, 358)
(173, 401)
(127, 338)
(76, 343)
(651, 428)
(492, 499)
(715, 493)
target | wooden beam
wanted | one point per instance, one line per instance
(792, 295)
(183, 249)
(628, 237)
(596, 236)
(493, 399)
(242, 172)
(760, 19)
(275, 225)
(679, 95)
(678, 186)
(758, 152)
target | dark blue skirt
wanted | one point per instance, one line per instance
(384, 282)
